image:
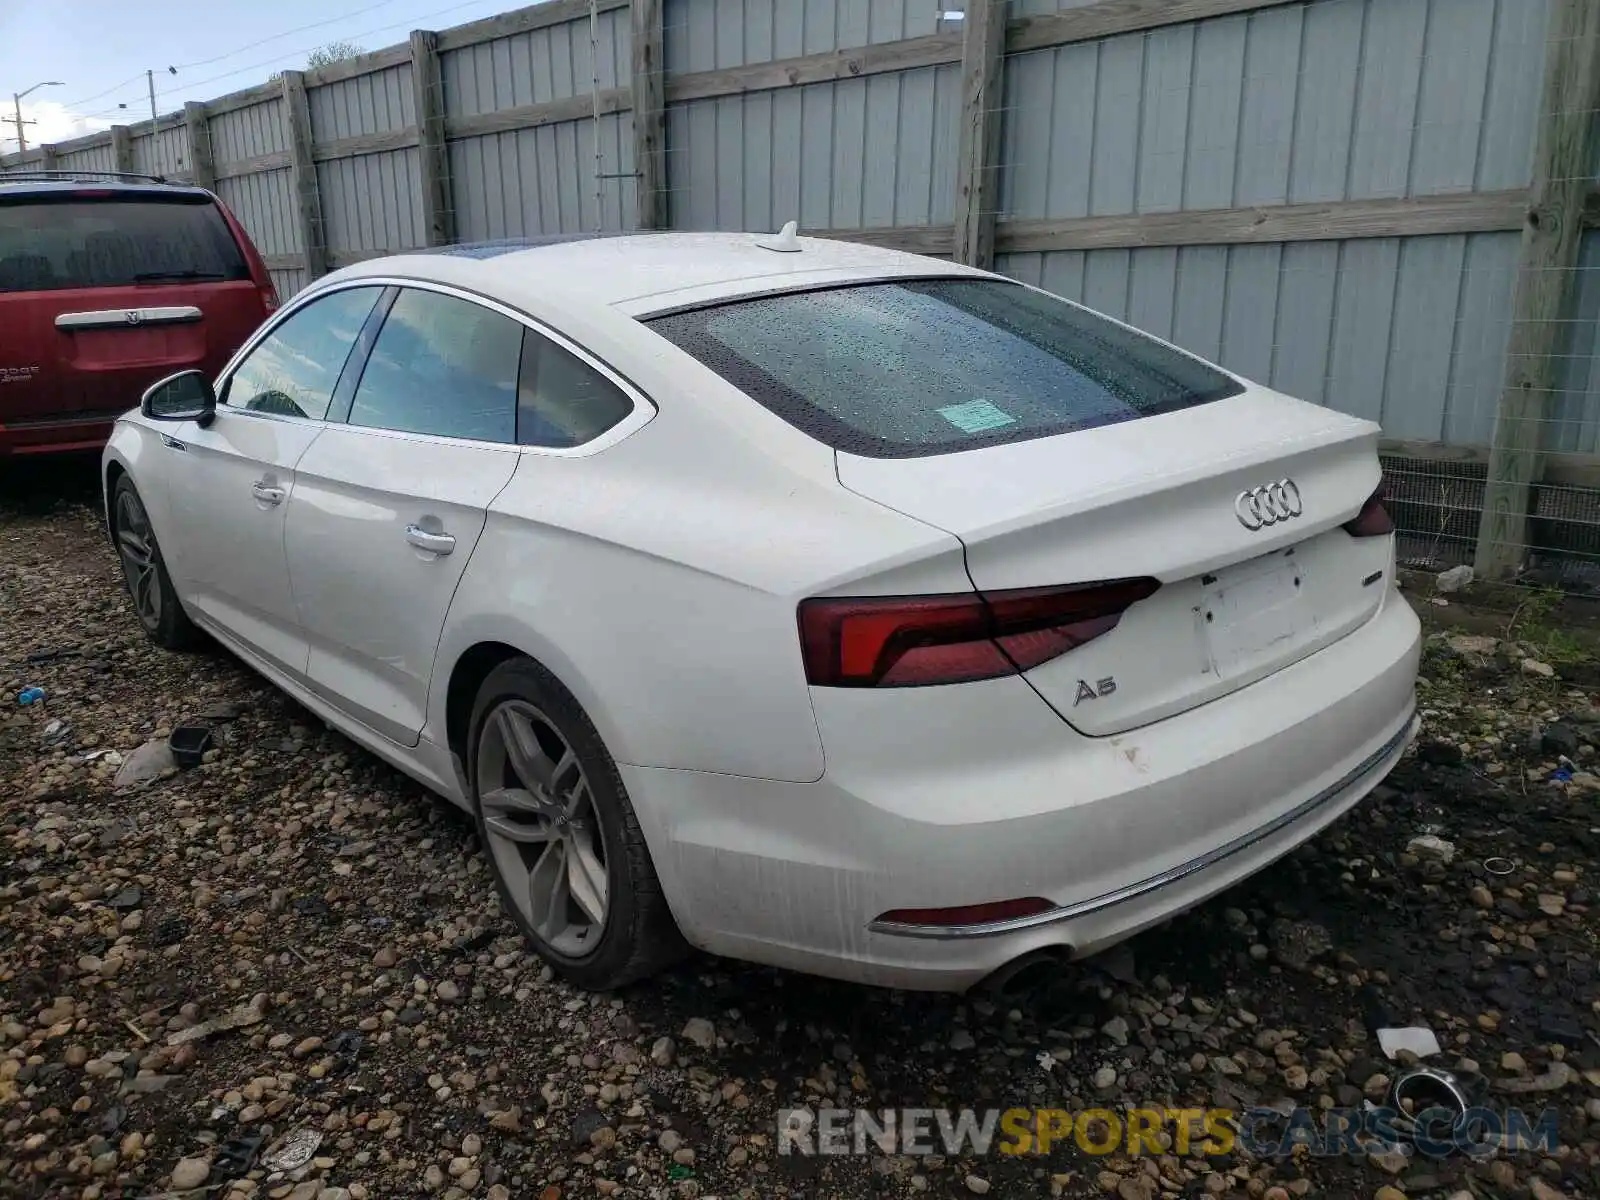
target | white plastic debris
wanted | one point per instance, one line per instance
(1415, 1038)
(1430, 846)
(1046, 1060)
(1454, 579)
(293, 1152)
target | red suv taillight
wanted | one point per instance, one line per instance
(912, 641)
(1373, 520)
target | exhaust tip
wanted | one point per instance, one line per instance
(1027, 974)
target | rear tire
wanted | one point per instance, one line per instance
(144, 571)
(561, 836)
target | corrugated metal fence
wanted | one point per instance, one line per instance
(1329, 196)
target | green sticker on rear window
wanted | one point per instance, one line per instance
(975, 416)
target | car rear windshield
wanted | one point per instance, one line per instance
(932, 366)
(49, 243)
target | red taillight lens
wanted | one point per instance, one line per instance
(971, 914)
(911, 641)
(1373, 520)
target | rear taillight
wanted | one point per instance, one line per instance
(1373, 520)
(912, 641)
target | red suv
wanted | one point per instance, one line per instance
(105, 288)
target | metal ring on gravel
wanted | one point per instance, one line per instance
(1499, 866)
(136, 547)
(544, 831)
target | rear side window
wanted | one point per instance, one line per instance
(113, 241)
(561, 400)
(933, 366)
(442, 366)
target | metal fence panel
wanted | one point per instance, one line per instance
(538, 181)
(246, 133)
(531, 68)
(857, 153)
(1410, 332)
(1335, 100)
(708, 35)
(264, 204)
(380, 102)
(370, 203)
(90, 158)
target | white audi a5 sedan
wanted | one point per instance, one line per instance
(804, 602)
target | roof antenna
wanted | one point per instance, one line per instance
(787, 240)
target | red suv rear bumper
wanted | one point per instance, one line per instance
(55, 435)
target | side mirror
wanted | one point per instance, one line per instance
(186, 396)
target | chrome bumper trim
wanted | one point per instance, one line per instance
(1389, 749)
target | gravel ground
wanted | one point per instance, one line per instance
(325, 935)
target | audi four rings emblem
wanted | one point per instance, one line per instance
(1268, 505)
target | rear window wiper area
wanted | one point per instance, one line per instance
(157, 276)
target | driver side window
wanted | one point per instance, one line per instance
(294, 370)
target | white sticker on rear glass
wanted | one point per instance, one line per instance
(975, 416)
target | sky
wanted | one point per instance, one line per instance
(100, 50)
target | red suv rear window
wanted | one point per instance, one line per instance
(49, 243)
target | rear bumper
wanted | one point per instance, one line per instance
(56, 435)
(974, 794)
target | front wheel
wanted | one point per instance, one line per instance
(561, 836)
(155, 600)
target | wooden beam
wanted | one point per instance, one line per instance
(361, 64)
(1465, 212)
(308, 199)
(433, 163)
(977, 198)
(121, 149)
(1546, 274)
(1560, 468)
(649, 116)
(531, 116)
(366, 143)
(277, 161)
(886, 57)
(914, 239)
(284, 262)
(262, 93)
(1111, 17)
(537, 16)
(202, 170)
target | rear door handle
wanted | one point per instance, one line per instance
(433, 543)
(267, 493)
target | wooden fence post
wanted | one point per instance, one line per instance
(649, 115)
(427, 84)
(48, 158)
(303, 172)
(202, 169)
(983, 43)
(1546, 272)
(121, 149)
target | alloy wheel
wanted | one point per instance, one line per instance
(136, 547)
(542, 827)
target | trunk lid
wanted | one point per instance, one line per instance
(1157, 497)
(105, 291)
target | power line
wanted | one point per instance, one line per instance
(279, 58)
(286, 33)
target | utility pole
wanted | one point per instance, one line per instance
(16, 106)
(150, 80)
(22, 142)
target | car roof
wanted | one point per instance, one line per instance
(646, 273)
(25, 186)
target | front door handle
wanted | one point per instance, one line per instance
(433, 543)
(267, 493)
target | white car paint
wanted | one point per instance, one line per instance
(657, 573)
